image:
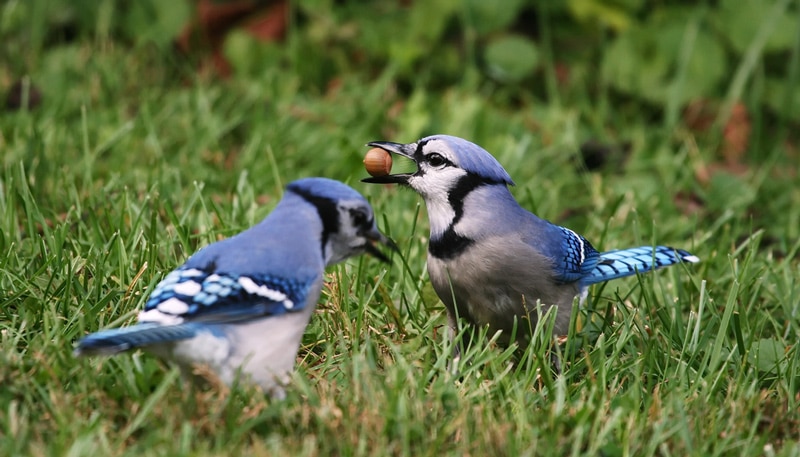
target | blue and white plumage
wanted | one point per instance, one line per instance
(489, 259)
(243, 303)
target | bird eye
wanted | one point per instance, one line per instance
(360, 218)
(436, 160)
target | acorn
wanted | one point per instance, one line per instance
(378, 162)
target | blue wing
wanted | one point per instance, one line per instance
(628, 262)
(574, 258)
(196, 295)
(191, 300)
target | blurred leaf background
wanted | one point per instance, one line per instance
(134, 132)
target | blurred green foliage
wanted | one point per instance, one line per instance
(136, 156)
(660, 54)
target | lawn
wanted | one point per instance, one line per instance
(128, 159)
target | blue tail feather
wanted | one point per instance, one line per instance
(108, 342)
(627, 262)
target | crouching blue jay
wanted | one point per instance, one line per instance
(240, 306)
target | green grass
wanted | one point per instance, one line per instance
(130, 165)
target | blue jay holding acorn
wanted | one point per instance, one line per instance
(491, 261)
(240, 306)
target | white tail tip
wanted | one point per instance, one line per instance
(691, 258)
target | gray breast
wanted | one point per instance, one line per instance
(498, 283)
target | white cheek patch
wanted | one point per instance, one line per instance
(189, 288)
(435, 186)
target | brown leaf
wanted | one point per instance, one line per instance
(736, 135)
(699, 115)
(688, 203)
(706, 171)
(563, 73)
(205, 34)
(270, 23)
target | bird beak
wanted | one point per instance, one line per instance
(405, 150)
(374, 236)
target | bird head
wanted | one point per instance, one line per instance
(443, 161)
(348, 222)
(448, 170)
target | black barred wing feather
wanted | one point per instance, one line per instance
(191, 294)
(576, 256)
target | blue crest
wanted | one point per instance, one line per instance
(474, 158)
